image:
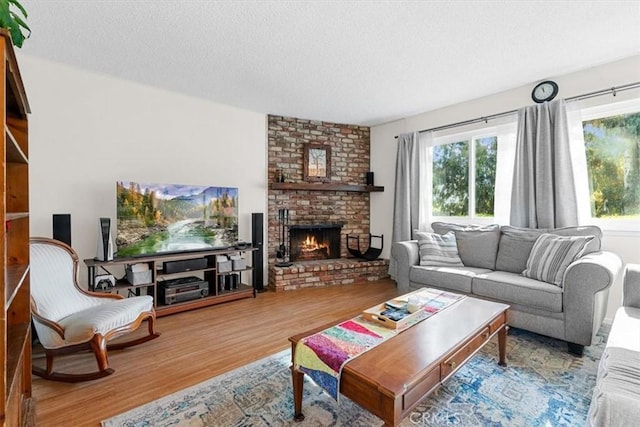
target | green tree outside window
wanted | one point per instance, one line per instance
(612, 147)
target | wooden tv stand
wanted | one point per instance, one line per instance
(213, 270)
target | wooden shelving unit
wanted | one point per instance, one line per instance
(307, 186)
(210, 272)
(15, 354)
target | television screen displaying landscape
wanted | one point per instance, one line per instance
(156, 218)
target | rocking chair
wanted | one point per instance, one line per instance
(68, 319)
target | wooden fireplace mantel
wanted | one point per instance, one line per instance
(327, 186)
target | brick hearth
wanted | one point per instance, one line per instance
(328, 272)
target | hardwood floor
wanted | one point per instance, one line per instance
(195, 346)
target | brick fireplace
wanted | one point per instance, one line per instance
(344, 207)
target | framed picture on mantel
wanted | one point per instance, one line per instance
(317, 163)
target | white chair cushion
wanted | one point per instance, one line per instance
(80, 327)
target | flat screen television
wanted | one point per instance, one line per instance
(169, 218)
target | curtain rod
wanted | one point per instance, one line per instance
(613, 90)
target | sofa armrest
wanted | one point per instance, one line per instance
(405, 255)
(586, 292)
(631, 286)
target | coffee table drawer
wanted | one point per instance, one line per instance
(453, 362)
(422, 388)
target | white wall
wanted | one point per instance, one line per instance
(88, 131)
(383, 145)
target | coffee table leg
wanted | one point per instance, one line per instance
(298, 384)
(502, 345)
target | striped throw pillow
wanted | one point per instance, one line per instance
(439, 250)
(551, 255)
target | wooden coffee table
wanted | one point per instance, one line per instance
(392, 378)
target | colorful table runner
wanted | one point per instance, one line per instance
(323, 355)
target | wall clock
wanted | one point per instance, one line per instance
(544, 91)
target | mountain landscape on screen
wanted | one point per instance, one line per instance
(163, 218)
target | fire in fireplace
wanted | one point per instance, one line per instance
(314, 241)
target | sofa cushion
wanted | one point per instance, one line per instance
(515, 247)
(552, 254)
(516, 244)
(616, 396)
(438, 250)
(516, 289)
(477, 244)
(449, 278)
(624, 330)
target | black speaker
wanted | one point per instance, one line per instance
(369, 178)
(62, 228)
(257, 241)
(179, 266)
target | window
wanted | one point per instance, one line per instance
(464, 169)
(612, 146)
(464, 172)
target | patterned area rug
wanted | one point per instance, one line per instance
(542, 385)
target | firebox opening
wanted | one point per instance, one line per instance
(314, 241)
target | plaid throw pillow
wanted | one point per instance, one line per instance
(551, 255)
(439, 250)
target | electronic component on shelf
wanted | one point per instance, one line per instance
(184, 265)
(182, 289)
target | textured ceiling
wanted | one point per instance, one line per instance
(359, 62)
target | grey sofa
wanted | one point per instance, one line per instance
(494, 258)
(616, 396)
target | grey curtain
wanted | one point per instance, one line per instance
(544, 194)
(406, 204)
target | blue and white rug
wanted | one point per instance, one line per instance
(542, 385)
